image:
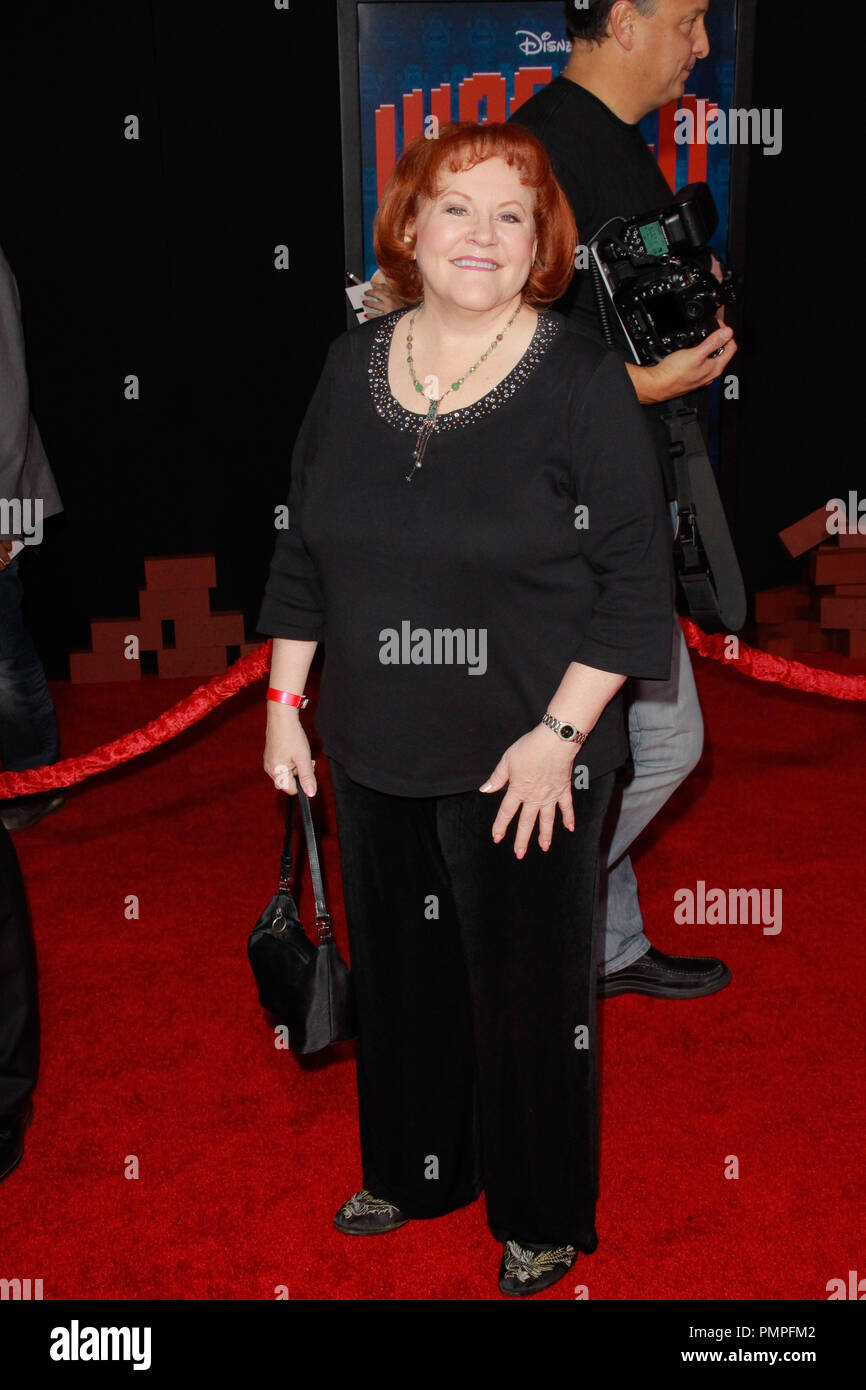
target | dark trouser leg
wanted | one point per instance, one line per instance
(28, 725)
(416, 1092)
(19, 1008)
(527, 930)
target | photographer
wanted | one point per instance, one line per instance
(630, 57)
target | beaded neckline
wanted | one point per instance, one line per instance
(397, 415)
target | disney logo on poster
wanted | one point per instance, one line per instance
(530, 43)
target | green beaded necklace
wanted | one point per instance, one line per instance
(432, 414)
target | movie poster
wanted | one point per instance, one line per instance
(477, 62)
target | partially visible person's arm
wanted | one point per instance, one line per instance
(25, 474)
(15, 406)
(382, 298)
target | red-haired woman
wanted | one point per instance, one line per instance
(478, 535)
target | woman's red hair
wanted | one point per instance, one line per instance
(419, 175)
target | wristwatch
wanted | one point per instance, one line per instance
(567, 732)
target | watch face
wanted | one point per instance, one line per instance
(567, 731)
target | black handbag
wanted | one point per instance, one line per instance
(306, 986)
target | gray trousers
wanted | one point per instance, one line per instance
(666, 733)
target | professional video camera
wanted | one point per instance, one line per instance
(657, 272)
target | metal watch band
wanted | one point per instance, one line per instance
(569, 733)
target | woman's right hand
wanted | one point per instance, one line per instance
(287, 753)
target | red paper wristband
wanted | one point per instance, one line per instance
(282, 697)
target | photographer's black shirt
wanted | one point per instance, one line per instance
(605, 168)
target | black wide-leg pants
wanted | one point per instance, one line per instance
(475, 979)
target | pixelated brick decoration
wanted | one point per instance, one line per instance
(829, 613)
(833, 565)
(781, 646)
(111, 635)
(809, 531)
(157, 604)
(180, 572)
(843, 612)
(192, 661)
(790, 601)
(215, 630)
(177, 590)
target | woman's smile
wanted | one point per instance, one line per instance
(474, 263)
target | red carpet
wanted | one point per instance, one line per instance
(154, 1044)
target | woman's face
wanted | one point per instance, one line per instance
(476, 242)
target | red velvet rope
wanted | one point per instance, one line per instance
(173, 721)
(749, 662)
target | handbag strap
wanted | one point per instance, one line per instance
(286, 855)
(323, 917)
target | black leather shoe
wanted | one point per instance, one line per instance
(30, 810)
(366, 1215)
(525, 1271)
(12, 1130)
(666, 977)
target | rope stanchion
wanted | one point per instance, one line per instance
(749, 662)
(761, 666)
(173, 721)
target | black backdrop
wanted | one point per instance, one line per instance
(156, 257)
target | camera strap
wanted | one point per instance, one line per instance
(708, 571)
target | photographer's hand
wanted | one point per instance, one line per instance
(381, 298)
(683, 371)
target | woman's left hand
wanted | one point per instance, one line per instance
(537, 769)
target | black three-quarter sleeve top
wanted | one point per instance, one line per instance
(535, 534)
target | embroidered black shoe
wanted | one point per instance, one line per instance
(366, 1215)
(666, 977)
(524, 1271)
